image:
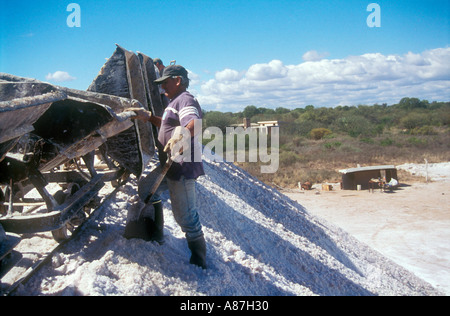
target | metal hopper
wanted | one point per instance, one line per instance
(43, 128)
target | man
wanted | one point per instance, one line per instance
(159, 70)
(182, 112)
(159, 65)
(391, 184)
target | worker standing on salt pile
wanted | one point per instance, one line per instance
(182, 112)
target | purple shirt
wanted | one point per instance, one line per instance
(181, 111)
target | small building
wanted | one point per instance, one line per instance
(263, 126)
(354, 177)
(267, 126)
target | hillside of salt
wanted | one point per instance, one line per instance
(259, 243)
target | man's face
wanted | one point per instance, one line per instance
(172, 86)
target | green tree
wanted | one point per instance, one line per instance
(281, 110)
(217, 119)
(412, 103)
(414, 120)
(250, 111)
(355, 125)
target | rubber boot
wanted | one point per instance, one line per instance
(198, 250)
(157, 227)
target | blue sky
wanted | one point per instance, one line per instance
(265, 53)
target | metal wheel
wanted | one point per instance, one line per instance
(64, 233)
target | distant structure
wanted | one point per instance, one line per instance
(361, 177)
(264, 126)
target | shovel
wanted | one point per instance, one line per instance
(140, 227)
(150, 184)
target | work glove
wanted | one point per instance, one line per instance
(141, 114)
(178, 143)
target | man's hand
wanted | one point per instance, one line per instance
(177, 136)
(179, 143)
(141, 114)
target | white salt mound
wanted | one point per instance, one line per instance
(259, 243)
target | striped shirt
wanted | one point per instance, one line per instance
(181, 111)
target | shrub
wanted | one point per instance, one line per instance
(297, 141)
(319, 133)
(414, 120)
(332, 145)
(386, 142)
(417, 142)
(288, 158)
(367, 140)
(424, 130)
(356, 125)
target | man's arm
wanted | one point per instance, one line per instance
(146, 116)
(155, 120)
(191, 127)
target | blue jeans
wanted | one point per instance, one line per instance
(184, 207)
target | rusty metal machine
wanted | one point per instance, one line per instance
(64, 145)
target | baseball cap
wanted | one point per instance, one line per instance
(172, 71)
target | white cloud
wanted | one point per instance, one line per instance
(365, 79)
(261, 72)
(59, 76)
(314, 55)
(228, 75)
(194, 79)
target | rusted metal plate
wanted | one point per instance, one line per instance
(136, 83)
(74, 122)
(135, 77)
(122, 76)
(113, 79)
(68, 121)
(60, 124)
(7, 242)
(6, 147)
(26, 224)
(149, 73)
(56, 219)
(20, 109)
(76, 202)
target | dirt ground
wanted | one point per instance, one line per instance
(410, 226)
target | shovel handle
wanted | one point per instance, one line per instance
(159, 179)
